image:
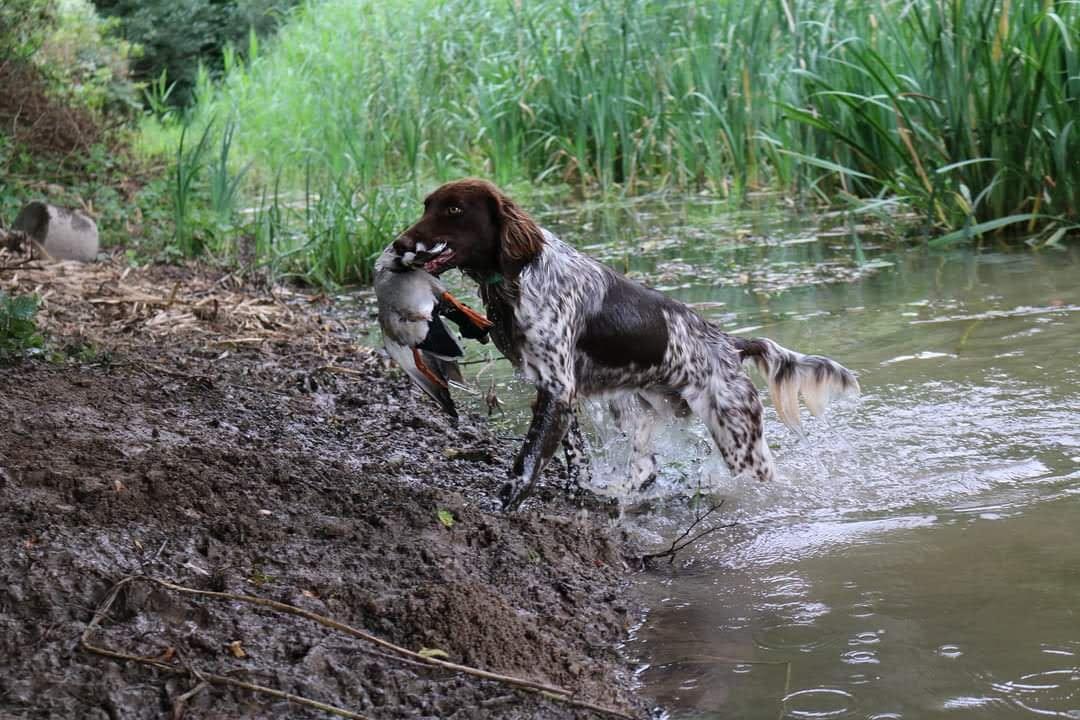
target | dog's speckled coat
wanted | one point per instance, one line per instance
(575, 327)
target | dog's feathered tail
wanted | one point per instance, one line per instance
(789, 374)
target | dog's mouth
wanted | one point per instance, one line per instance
(434, 261)
(440, 259)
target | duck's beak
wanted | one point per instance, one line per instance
(422, 255)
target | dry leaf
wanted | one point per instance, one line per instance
(236, 650)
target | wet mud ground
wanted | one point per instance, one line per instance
(256, 449)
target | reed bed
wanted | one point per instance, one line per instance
(962, 110)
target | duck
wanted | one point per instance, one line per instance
(411, 306)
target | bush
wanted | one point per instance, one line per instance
(85, 63)
(180, 36)
(18, 332)
(23, 24)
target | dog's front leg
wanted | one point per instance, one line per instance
(550, 421)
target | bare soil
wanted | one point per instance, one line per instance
(198, 430)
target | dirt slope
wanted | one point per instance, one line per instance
(272, 457)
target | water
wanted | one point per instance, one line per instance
(919, 555)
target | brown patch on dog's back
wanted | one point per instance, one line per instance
(630, 328)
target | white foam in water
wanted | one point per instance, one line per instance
(864, 468)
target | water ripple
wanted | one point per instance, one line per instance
(818, 703)
(1051, 693)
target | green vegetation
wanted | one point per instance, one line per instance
(22, 25)
(178, 37)
(307, 152)
(72, 90)
(962, 111)
(18, 332)
(65, 101)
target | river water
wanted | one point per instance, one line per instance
(919, 555)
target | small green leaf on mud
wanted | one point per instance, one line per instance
(445, 517)
(433, 653)
(258, 577)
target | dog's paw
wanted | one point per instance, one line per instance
(514, 492)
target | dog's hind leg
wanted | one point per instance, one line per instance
(578, 471)
(732, 412)
(637, 418)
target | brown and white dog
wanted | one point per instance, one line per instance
(575, 327)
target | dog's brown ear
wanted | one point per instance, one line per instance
(520, 238)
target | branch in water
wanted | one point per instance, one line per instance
(681, 543)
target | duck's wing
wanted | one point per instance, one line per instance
(432, 381)
(439, 342)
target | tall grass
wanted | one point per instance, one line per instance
(967, 110)
(964, 110)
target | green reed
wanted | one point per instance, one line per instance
(963, 110)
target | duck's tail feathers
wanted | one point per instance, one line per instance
(448, 370)
(428, 372)
(790, 374)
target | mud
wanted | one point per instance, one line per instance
(300, 469)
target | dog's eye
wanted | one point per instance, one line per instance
(454, 210)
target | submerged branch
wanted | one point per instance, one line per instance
(684, 541)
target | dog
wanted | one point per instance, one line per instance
(574, 328)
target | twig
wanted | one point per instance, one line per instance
(681, 543)
(203, 677)
(344, 370)
(553, 691)
(24, 263)
(181, 700)
(482, 361)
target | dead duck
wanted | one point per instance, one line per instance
(412, 304)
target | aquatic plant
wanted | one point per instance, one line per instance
(962, 110)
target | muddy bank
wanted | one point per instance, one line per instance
(257, 450)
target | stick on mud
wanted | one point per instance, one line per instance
(552, 692)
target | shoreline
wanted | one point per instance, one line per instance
(204, 431)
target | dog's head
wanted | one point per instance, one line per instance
(472, 225)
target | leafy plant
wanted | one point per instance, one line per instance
(177, 36)
(189, 165)
(156, 96)
(18, 332)
(23, 24)
(963, 111)
(224, 184)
